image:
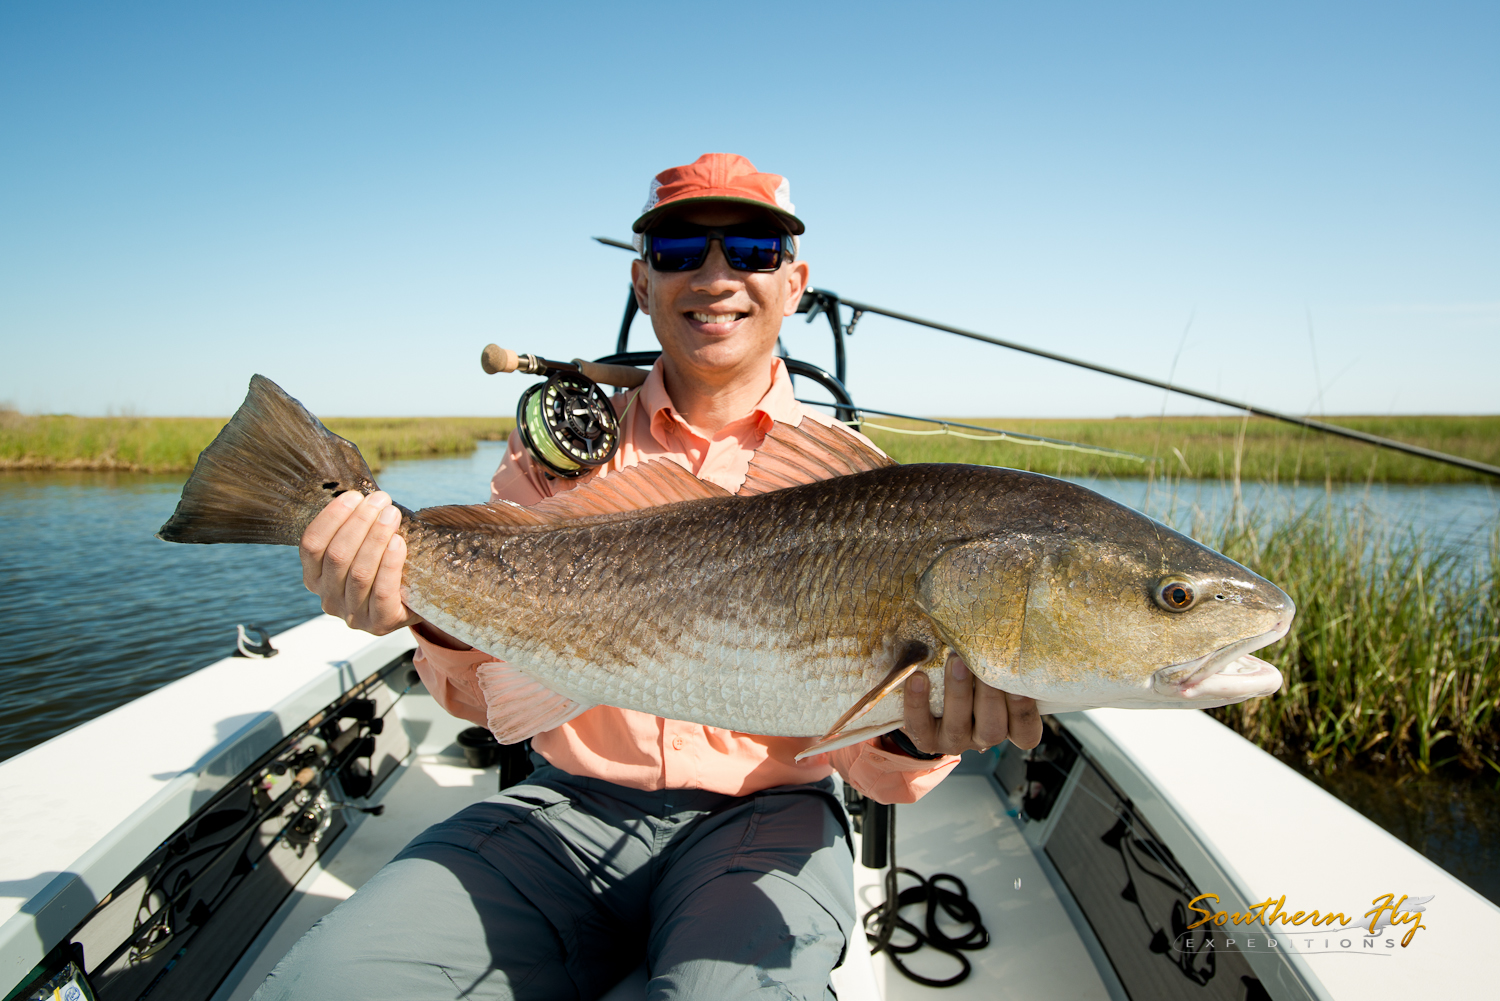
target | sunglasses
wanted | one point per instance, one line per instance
(753, 251)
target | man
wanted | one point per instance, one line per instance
(714, 855)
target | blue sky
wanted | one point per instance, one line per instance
(1302, 198)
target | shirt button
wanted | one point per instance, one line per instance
(676, 743)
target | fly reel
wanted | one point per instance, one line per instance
(567, 423)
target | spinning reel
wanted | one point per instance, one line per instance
(566, 422)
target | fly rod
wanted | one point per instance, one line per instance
(994, 434)
(1334, 429)
(1306, 422)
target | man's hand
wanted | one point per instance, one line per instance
(352, 557)
(975, 716)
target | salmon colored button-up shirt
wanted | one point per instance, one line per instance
(648, 752)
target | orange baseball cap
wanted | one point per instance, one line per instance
(719, 177)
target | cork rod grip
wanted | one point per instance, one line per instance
(496, 359)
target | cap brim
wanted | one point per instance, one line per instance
(793, 224)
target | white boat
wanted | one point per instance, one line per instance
(177, 846)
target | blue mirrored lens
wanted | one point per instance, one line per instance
(672, 253)
(753, 253)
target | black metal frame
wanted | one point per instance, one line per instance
(815, 301)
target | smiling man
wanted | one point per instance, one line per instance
(714, 856)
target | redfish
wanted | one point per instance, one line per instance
(792, 608)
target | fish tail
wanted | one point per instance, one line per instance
(266, 476)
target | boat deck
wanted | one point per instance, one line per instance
(961, 828)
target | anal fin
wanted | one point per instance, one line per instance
(518, 706)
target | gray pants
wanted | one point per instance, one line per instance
(559, 887)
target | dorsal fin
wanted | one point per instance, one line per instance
(793, 455)
(648, 484)
(476, 517)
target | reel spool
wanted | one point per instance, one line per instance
(567, 423)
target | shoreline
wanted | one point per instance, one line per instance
(1186, 448)
(157, 445)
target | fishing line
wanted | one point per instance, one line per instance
(994, 434)
(628, 404)
(1316, 425)
(821, 300)
(1006, 436)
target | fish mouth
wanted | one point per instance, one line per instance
(1224, 676)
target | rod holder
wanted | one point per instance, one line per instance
(875, 834)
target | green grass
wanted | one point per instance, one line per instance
(1195, 447)
(1206, 448)
(1394, 657)
(172, 444)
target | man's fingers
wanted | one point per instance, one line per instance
(920, 725)
(992, 723)
(1025, 721)
(386, 608)
(320, 532)
(344, 545)
(360, 579)
(956, 732)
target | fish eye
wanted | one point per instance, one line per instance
(1175, 594)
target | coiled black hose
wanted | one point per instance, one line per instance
(884, 920)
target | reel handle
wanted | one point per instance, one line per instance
(495, 359)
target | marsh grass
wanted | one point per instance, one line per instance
(172, 444)
(1394, 657)
(1205, 448)
(1191, 447)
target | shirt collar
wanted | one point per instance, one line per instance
(778, 404)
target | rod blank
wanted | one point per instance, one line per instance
(1334, 429)
(1306, 422)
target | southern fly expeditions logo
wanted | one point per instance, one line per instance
(1269, 926)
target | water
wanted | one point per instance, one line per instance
(1460, 517)
(1455, 825)
(100, 612)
